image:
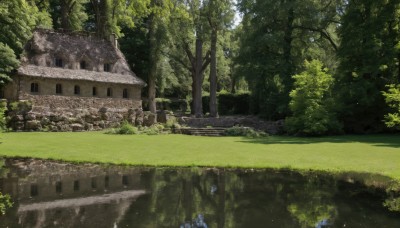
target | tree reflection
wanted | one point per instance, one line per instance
(181, 198)
(313, 205)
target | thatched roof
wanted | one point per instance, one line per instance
(47, 45)
(84, 75)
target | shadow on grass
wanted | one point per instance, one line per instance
(375, 140)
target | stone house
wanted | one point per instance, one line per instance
(74, 81)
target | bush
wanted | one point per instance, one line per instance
(156, 129)
(3, 109)
(124, 129)
(5, 203)
(128, 129)
(234, 104)
(244, 131)
(311, 103)
(229, 104)
(392, 98)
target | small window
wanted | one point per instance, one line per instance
(59, 62)
(34, 87)
(94, 91)
(107, 67)
(94, 182)
(77, 90)
(58, 89)
(125, 93)
(83, 64)
(58, 187)
(125, 181)
(106, 181)
(109, 92)
(34, 190)
(76, 186)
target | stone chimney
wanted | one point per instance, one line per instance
(114, 40)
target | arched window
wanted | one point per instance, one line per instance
(83, 64)
(94, 91)
(107, 67)
(58, 89)
(77, 90)
(59, 62)
(109, 92)
(125, 93)
(34, 87)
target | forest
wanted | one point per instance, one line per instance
(324, 66)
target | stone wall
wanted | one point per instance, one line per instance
(57, 113)
(272, 127)
(48, 87)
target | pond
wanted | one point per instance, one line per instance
(50, 194)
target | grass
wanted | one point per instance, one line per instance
(377, 154)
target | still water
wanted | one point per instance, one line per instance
(48, 194)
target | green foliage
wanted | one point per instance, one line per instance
(369, 60)
(244, 131)
(3, 109)
(275, 38)
(234, 104)
(230, 104)
(393, 204)
(8, 62)
(68, 14)
(155, 129)
(125, 129)
(311, 103)
(392, 98)
(21, 106)
(5, 203)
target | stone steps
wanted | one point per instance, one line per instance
(203, 131)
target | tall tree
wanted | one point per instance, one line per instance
(108, 16)
(190, 29)
(219, 16)
(17, 20)
(369, 60)
(68, 14)
(277, 37)
(157, 22)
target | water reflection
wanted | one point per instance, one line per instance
(63, 195)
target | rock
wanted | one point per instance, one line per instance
(77, 127)
(149, 119)
(88, 127)
(32, 125)
(30, 116)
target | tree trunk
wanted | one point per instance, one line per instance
(64, 14)
(222, 199)
(153, 65)
(213, 74)
(198, 79)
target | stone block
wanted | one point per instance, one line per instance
(32, 125)
(77, 127)
(149, 119)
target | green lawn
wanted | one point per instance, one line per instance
(379, 154)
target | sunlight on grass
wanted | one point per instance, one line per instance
(378, 154)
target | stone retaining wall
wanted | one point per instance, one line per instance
(53, 113)
(272, 127)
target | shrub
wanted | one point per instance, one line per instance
(125, 129)
(392, 98)
(229, 104)
(156, 129)
(244, 131)
(311, 102)
(5, 203)
(3, 109)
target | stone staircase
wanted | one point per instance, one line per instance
(203, 131)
